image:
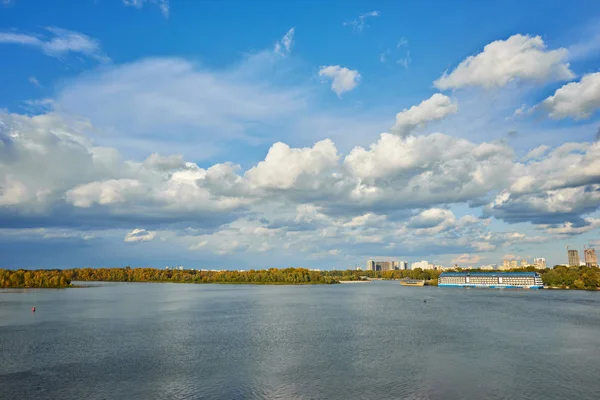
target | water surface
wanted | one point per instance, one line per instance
(364, 341)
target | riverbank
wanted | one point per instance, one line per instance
(557, 278)
(63, 278)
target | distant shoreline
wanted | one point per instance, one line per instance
(557, 278)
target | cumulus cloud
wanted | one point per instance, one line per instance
(139, 235)
(397, 193)
(359, 24)
(96, 180)
(163, 5)
(283, 47)
(342, 79)
(577, 100)
(392, 174)
(287, 168)
(60, 43)
(543, 207)
(434, 108)
(520, 57)
(420, 171)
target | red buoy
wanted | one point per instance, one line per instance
(33, 309)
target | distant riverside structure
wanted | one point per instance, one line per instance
(513, 263)
(524, 280)
(505, 264)
(381, 265)
(590, 257)
(539, 262)
(403, 265)
(524, 263)
(573, 258)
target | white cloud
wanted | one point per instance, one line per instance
(343, 79)
(359, 23)
(568, 228)
(398, 192)
(434, 108)
(284, 46)
(424, 169)
(466, 259)
(368, 219)
(96, 180)
(139, 235)
(519, 57)
(394, 173)
(511, 256)
(546, 206)
(483, 246)
(437, 220)
(287, 168)
(61, 42)
(538, 152)
(162, 4)
(577, 100)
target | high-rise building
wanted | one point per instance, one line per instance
(524, 263)
(590, 257)
(403, 265)
(505, 264)
(381, 265)
(573, 258)
(539, 262)
(513, 263)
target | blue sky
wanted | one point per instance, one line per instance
(318, 134)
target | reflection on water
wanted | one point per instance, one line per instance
(377, 340)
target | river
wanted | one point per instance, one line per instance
(370, 341)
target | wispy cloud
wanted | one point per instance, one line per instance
(283, 47)
(33, 80)
(60, 43)
(359, 24)
(403, 42)
(405, 61)
(162, 4)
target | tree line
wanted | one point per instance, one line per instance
(63, 278)
(39, 278)
(560, 276)
(262, 276)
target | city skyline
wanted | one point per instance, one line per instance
(153, 135)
